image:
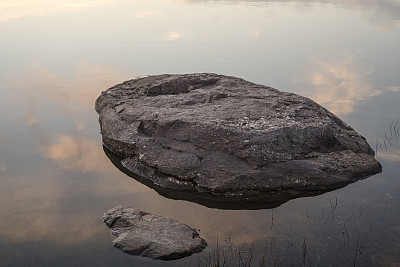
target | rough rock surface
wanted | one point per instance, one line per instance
(145, 234)
(255, 201)
(225, 135)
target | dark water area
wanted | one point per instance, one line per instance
(56, 181)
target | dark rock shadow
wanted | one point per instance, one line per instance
(260, 200)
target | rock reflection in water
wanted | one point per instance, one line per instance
(261, 200)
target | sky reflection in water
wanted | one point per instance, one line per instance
(57, 56)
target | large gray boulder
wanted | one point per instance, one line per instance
(227, 136)
(148, 235)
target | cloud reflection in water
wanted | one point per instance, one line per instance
(381, 14)
(14, 9)
(77, 153)
(52, 192)
(337, 84)
(38, 196)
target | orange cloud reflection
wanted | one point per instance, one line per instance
(3, 166)
(43, 87)
(78, 153)
(172, 36)
(393, 156)
(338, 84)
(14, 9)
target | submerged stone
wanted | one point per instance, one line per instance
(226, 136)
(145, 234)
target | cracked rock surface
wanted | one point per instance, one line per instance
(227, 136)
(145, 234)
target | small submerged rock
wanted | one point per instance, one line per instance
(145, 234)
(227, 136)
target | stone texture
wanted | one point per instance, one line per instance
(145, 234)
(255, 201)
(227, 136)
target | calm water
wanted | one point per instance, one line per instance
(56, 181)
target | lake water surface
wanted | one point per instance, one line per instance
(56, 181)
